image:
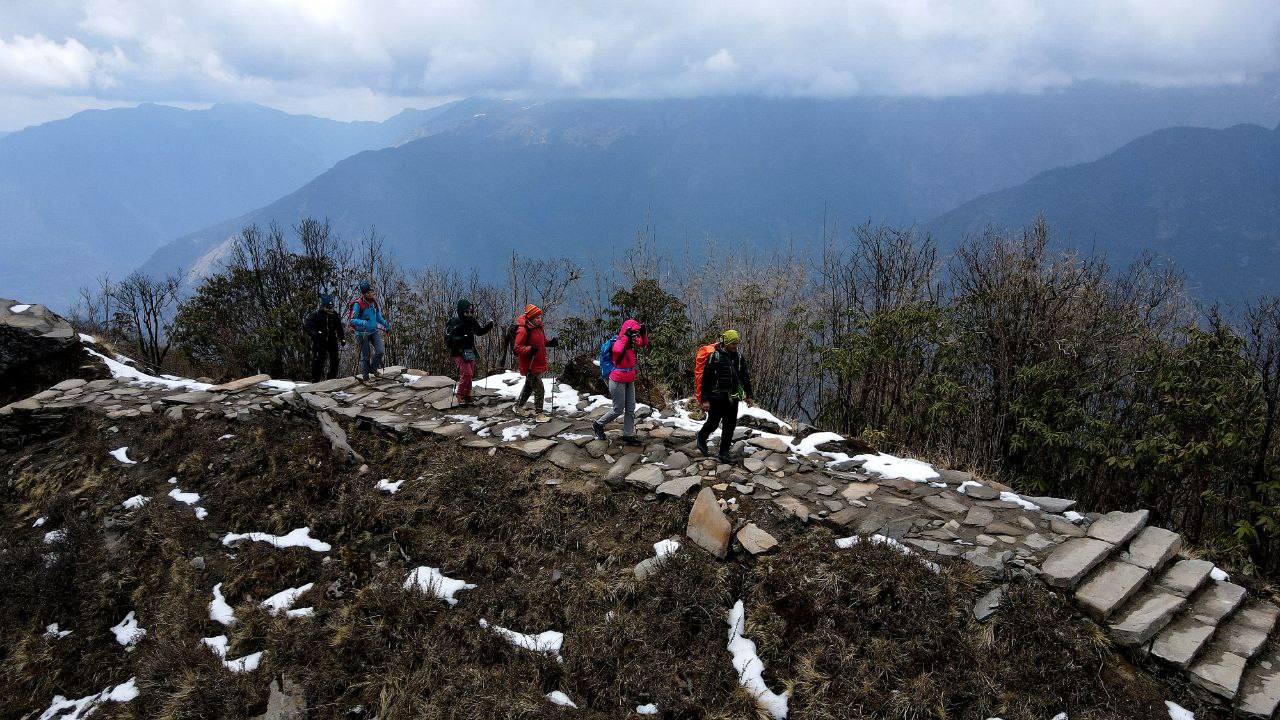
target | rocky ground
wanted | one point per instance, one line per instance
(268, 547)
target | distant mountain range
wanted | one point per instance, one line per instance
(576, 178)
(100, 191)
(1209, 200)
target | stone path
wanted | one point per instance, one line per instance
(1126, 575)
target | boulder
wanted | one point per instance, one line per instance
(38, 348)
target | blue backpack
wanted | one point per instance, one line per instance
(606, 357)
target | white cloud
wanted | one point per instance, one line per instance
(324, 53)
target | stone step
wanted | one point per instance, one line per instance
(1216, 601)
(1219, 672)
(1118, 527)
(1109, 587)
(1145, 615)
(1185, 576)
(1245, 633)
(1152, 547)
(1260, 689)
(1070, 561)
(1181, 641)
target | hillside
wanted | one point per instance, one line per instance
(175, 549)
(573, 177)
(1207, 199)
(100, 191)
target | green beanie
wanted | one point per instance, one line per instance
(729, 337)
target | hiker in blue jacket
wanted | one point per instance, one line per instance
(366, 321)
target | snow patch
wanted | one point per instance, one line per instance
(39, 521)
(301, 537)
(664, 548)
(87, 339)
(54, 536)
(127, 631)
(282, 385)
(649, 709)
(430, 581)
(386, 485)
(749, 667)
(189, 498)
(1073, 517)
(219, 610)
(52, 632)
(559, 698)
(121, 370)
(1016, 498)
(122, 454)
(890, 466)
(1177, 712)
(135, 502)
(283, 601)
(515, 432)
(228, 436)
(19, 308)
(64, 709)
(877, 539)
(1217, 573)
(548, 642)
(248, 663)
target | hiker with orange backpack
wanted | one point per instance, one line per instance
(721, 380)
(619, 358)
(366, 319)
(530, 346)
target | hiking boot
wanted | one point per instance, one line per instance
(519, 411)
(724, 458)
(598, 429)
(631, 440)
(702, 447)
(541, 418)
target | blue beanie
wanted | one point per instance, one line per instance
(364, 286)
(326, 300)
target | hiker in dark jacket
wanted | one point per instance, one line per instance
(531, 345)
(460, 336)
(368, 322)
(721, 379)
(324, 326)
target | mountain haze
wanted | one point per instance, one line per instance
(576, 177)
(1207, 199)
(100, 191)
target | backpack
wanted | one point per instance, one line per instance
(347, 315)
(606, 357)
(509, 336)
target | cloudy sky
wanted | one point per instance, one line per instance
(367, 60)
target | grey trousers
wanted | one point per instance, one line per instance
(624, 404)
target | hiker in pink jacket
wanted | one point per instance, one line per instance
(622, 381)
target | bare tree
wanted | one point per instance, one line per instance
(146, 306)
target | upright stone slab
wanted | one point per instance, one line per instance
(1152, 547)
(708, 527)
(1117, 527)
(1051, 504)
(337, 439)
(620, 469)
(1070, 561)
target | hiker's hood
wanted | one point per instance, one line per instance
(630, 324)
(463, 306)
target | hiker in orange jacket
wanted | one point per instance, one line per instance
(721, 379)
(531, 345)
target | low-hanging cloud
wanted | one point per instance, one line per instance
(296, 53)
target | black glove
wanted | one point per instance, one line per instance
(533, 351)
(553, 342)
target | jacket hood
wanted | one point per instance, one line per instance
(630, 324)
(463, 306)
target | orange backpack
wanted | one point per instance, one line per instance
(700, 364)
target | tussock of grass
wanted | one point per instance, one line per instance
(858, 633)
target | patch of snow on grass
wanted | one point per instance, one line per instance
(559, 698)
(228, 436)
(663, 548)
(87, 339)
(127, 631)
(890, 466)
(52, 632)
(39, 521)
(188, 498)
(650, 709)
(548, 642)
(219, 610)
(122, 454)
(877, 539)
(300, 537)
(750, 670)
(54, 536)
(135, 502)
(386, 485)
(201, 513)
(810, 444)
(1177, 712)
(430, 581)
(284, 600)
(85, 706)
(248, 663)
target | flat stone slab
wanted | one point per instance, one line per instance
(676, 461)
(979, 517)
(1152, 547)
(1186, 576)
(1110, 587)
(1245, 633)
(530, 448)
(318, 402)
(754, 540)
(1117, 527)
(189, 398)
(333, 385)
(770, 443)
(1219, 673)
(1145, 616)
(649, 477)
(1181, 641)
(679, 486)
(858, 490)
(550, 429)
(1051, 504)
(1070, 561)
(945, 504)
(1260, 690)
(708, 527)
(793, 507)
(241, 384)
(433, 382)
(1217, 601)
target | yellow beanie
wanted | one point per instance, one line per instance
(728, 337)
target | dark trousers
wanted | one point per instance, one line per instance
(318, 355)
(723, 412)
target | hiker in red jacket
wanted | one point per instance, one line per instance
(531, 345)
